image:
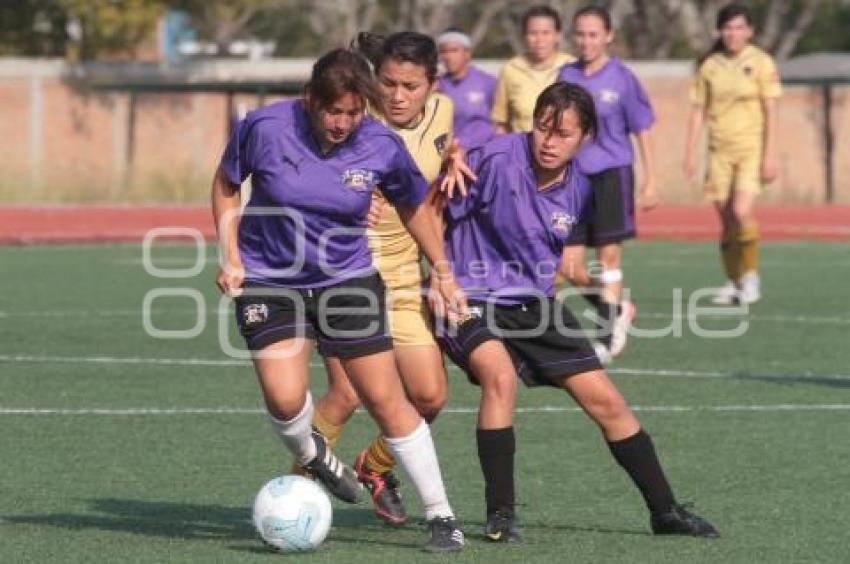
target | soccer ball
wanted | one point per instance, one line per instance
(292, 514)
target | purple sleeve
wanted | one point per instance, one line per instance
(478, 193)
(402, 183)
(638, 109)
(237, 160)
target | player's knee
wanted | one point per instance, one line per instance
(430, 403)
(609, 408)
(500, 385)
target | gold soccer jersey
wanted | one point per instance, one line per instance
(395, 253)
(519, 86)
(732, 92)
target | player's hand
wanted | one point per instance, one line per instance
(457, 171)
(648, 195)
(376, 211)
(446, 298)
(230, 278)
(768, 170)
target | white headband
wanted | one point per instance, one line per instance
(458, 37)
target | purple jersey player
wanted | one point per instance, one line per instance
(470, 89)
(506, 240)
(297, 262)
(623, 110)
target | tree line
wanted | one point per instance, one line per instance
(646, 29)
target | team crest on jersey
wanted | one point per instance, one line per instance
(609, 96)
(359, 179)
(254, 314)
(562, 221)
(440, 143)
(475, 97)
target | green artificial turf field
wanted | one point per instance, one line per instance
(117, 446)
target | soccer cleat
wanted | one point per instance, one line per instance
(446, 535)
(726, 295)
(502, 527)
(383, 488)
(620, 331)
(339, 479)
(750, 291)
(679, 521)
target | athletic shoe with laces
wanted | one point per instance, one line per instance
(331, 472)
(502, 527)
(620, 331)
(679, 521)
(726, 294)
(386, 499)
(446, 535)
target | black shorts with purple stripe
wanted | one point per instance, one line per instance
(544, 340)
(611, 214)
(348, 319)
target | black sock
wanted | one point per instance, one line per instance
(637, 456)
(496, 450)
(607, 313)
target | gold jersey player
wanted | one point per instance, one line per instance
(735, 89)
(406, 68)
(525, 76)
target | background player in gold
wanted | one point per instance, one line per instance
(406, 68)
(735, 89)
(525, 76)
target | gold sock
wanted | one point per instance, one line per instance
(379, 457)
(730, 252)
(331, 432)
(748, 242)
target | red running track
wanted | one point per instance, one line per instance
(24, 225)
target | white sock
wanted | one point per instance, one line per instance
(417, 456)
(296, 434)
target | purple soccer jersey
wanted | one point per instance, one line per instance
(505, 238)
(622, 108)
(473, 100)
(304, 225)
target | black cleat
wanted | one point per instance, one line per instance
(679, 521)
(339, 479)
(383, 488)
(446, 535)
(502, 527)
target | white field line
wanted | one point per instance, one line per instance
(215, 362)
(154, 411)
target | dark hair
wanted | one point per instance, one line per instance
(597, 11)
(726, 14)
(541, 12)
(341, 72)
(562, 96)
(404, 46)
(731, 11)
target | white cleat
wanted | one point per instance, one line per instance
(620, 331)
(726, 295)
(750, 291)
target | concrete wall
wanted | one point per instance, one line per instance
(64, 141)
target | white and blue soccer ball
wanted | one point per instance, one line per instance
(292, 514)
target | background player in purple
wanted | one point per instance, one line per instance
(298, 264)
(506, 241)
(470, 88)
(623, 110)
